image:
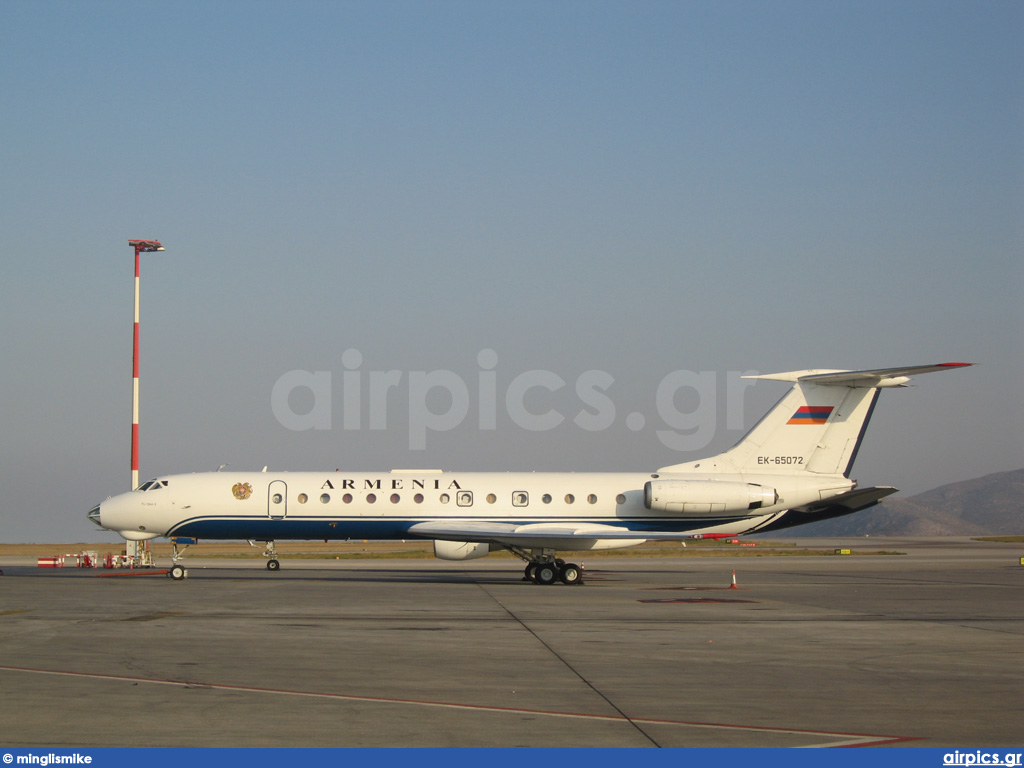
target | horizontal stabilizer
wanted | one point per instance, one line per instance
(869, 378)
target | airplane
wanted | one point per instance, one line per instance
(793, 467)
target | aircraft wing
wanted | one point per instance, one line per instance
(837, 506)
(534, 535)
(852, 501)
(562, 535)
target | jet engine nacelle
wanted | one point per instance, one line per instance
(461, 550)
(707, 497)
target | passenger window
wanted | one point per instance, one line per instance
(546, 498)
(465, 498)
(569, 498)
(520, 499)
(592, 499)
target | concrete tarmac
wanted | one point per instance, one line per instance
(920, 649)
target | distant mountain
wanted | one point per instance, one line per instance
(985, 506)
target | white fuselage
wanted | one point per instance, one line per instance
(341, 505)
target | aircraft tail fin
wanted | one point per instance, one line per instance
(818, 425)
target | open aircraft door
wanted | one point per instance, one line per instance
(277, 500)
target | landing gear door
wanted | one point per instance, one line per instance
(277, 500)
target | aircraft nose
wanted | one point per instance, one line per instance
(94, 515)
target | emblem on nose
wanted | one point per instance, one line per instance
(242, 491)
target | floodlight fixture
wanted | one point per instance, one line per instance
(145, 246)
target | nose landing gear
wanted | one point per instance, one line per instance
(273, 564)
(177, 570)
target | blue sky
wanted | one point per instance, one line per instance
(632, 188)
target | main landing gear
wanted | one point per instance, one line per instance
(556, 570)
(545, 568)
(273, 564)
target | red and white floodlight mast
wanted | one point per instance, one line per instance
(140, 246)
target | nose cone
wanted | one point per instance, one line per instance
(119, 514)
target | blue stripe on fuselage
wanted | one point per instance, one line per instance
(265, 529)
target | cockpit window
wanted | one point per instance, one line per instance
(146, 485)
(152, 485)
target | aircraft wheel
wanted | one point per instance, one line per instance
(273, 565)
(570, 573)
(547, 573)
(177, 572)
(530, 573)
